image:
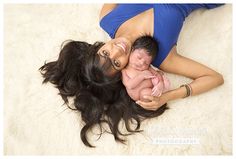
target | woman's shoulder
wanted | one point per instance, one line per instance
(107, 8)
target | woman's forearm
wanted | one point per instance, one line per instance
(199, 85)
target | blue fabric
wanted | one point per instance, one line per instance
(168, 21)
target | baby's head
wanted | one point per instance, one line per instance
(143, 52)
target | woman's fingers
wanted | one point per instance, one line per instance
(148, 105)
(144, 104)
(151, 98)
(152, 105)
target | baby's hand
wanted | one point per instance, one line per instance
(156, 91)
(155, 80)
(147, 74)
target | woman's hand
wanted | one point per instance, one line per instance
(154, 102)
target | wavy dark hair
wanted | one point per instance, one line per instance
(100, 99)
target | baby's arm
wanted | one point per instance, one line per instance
(161, 83)
(158, 75)
(155, 72)
(131, 83)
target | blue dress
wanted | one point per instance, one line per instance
(168, 21)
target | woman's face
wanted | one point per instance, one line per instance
(118, 51)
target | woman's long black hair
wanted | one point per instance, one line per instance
(101, 99)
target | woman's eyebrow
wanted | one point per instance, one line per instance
(109, 60)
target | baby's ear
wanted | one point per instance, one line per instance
(132, 48)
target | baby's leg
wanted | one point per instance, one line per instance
(143, 92)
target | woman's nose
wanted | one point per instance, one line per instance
(115, 53)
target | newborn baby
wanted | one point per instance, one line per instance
(138, 76)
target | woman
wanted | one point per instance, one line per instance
(120, 22)
(92, 73)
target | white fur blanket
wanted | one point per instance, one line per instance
(36, 123)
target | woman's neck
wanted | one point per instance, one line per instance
(131, 35)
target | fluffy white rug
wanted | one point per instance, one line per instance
(35, 123)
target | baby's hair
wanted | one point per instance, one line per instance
(148, 43)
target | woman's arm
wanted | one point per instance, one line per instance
(203, 77)
(106, 8)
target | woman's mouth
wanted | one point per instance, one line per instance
(122, 46)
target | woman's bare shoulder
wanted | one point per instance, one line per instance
(106, 8)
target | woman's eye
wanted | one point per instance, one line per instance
(105, 53)
(116, 63)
